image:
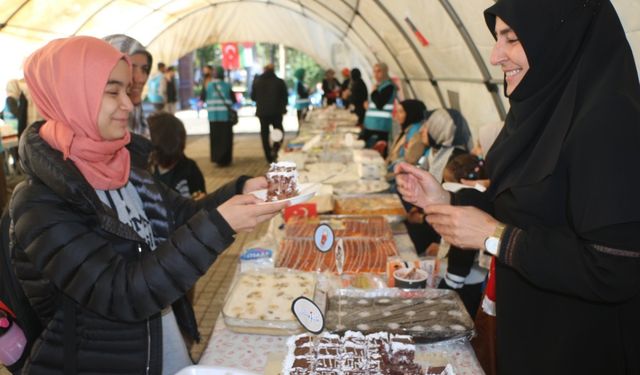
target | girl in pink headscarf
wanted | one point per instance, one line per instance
(103, 252)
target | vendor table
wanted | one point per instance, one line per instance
(257, 352)
(263, 353)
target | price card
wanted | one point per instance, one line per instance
(308, 314)
(339, 252)
(323, 238)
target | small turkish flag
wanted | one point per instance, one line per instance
(230, 56)
(300, 210)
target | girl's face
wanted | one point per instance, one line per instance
(509, 54)
(401, 115)
(113, 118)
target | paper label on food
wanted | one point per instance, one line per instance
(340, 255)
(308, 314)
(256, 253)
(323, 238)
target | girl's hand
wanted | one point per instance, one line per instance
(242, 212)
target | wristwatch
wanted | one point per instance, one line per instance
(492, 243)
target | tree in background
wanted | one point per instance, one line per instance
(263, 53)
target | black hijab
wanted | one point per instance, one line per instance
(355, 73)
(581, 87)
(416, 112)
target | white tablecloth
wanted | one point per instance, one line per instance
(251, 352)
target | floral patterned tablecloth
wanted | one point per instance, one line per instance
(251, 352)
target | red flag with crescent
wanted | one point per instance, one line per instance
(230, 56)
(300, 210)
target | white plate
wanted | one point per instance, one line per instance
(307, 191)
(213, 370)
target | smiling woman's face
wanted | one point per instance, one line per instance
(509, 54)
(113, 118)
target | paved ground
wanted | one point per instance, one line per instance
(211, 289)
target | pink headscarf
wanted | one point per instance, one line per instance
(67, 78)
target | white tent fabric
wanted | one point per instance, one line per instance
(337, 33)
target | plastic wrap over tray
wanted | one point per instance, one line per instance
(429, 315)
(260, 301)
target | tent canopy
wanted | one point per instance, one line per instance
(452, 67)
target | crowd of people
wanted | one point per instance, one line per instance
(113, 225)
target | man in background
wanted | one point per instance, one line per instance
(172, 89)
(270, 94)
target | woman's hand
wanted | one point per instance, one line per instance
(242, 212)
(419, 187)
(254, 184)
(462, 226)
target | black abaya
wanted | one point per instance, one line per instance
(568, 275)
(221, 140)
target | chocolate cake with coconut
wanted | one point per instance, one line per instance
(282, 181)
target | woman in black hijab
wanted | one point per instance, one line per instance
(563, 217)
(358, 94)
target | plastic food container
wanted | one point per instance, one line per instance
(428, 315)
(260, 301)
(410, 278)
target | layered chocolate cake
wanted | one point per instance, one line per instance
(282, 180)
(352, 354)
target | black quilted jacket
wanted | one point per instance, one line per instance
(68, 246)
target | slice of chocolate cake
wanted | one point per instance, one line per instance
(282, 181)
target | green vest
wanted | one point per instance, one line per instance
(380, 120)
(216, 108)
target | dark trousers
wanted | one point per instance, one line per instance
(360, 112)
(221, 142)
(270, 153)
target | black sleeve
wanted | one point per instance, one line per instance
(325, 86)
(594, 266)
(222, 194)
(381, 97)
(195, 179)
(81, 260)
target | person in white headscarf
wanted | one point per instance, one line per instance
(141, 62)
(447, 134)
